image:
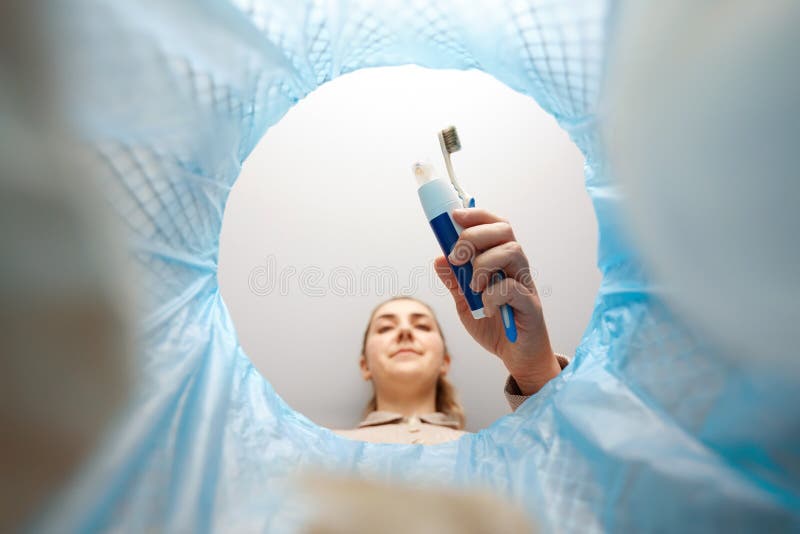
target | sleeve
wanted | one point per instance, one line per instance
(514, 396)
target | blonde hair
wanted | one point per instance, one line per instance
(446, 396)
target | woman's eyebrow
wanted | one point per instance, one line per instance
(393, 317)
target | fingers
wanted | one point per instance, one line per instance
(511, 292)
(488, 241)
(482, 230)
(468, 217)
(478, 238)
(508, 258)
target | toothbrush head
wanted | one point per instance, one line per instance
(449, 142)
(449, 139)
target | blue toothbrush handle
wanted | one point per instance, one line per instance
(506, 311)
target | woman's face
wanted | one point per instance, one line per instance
(403, 345)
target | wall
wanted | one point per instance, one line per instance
(328, 195)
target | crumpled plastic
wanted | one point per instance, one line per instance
(648, 428)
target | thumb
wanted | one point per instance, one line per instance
(446, 274)
(448, 278)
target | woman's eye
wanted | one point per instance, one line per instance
(383, 329)
(424, 326)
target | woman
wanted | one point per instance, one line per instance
(404, 353)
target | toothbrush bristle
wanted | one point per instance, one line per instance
(451, 141)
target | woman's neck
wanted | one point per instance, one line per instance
(408, 406)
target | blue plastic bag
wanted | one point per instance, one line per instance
(647, 429)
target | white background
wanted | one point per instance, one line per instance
(329, 190)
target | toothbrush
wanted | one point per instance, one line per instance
(449, 143)
(439, 198)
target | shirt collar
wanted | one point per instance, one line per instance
(384, 418)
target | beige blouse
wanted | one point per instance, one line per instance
(390, 427)
(425, 429)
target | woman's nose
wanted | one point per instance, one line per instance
(405, 331)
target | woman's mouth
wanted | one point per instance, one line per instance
(405, 351)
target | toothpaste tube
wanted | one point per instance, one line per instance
(439, 198)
